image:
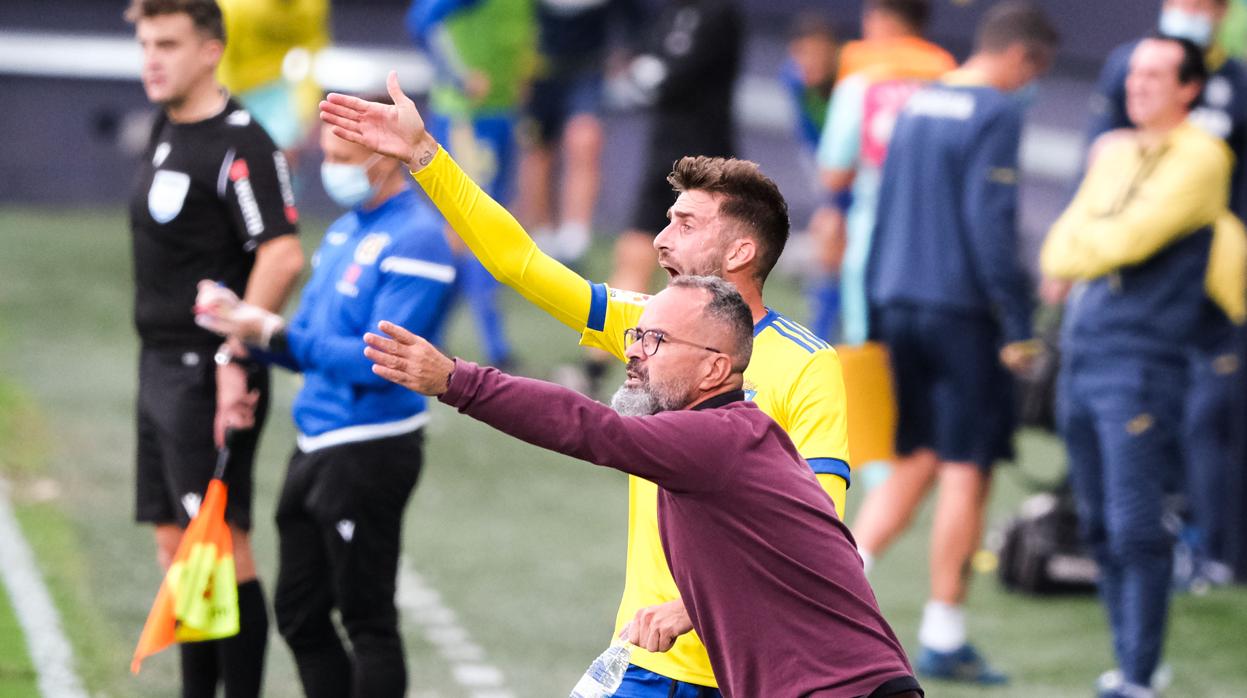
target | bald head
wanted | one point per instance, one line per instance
(724, 317)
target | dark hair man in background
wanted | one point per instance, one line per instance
(1161, 264)
(947, 288)
(212, 200)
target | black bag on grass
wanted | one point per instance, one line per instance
(1041, 552)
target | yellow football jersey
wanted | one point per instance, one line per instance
(793, 376)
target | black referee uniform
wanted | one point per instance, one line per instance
(208, 194)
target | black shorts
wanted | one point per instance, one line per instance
(669, 144)
(175, 453)
(952, 393)
(554, 100)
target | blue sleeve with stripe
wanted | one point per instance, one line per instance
(414, 301)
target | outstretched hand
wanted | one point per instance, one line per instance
(395, 131)
(409, 360)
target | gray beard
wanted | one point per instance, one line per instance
(634, 402)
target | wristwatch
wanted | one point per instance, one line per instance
(224, 356)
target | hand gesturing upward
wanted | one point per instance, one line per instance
(395, 131)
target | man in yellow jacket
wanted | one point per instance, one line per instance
(1159, 265)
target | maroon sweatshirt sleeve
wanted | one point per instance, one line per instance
(678, 451)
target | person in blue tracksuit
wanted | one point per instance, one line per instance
(1160, 263)
(946, 289)
(1214, 406)
(360, 443)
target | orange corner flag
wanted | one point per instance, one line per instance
(198, 599)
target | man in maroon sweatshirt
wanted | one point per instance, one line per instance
(769, 575)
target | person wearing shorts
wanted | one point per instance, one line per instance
(953, 302)
(212, 200)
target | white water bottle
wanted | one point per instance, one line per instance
(605, 674)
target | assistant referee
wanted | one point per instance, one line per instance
(212, 199)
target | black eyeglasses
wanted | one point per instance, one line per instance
(651, 339)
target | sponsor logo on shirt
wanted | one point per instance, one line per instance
(240, 175)
(369, 249)
(283, 183)
(942, 104)
(167, 194)
(884, 102)
(347, 284)
(629, 297)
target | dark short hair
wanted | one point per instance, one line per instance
(1192, 68)
(811, 25)
(205, 14)
(727, 308)
(750, 198)
(913, 13)
(1017, 22)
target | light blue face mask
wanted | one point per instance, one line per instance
(348, 185)
(1186, 25)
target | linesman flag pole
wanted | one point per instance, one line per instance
(198, 599)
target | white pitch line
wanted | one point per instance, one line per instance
(423, 606)
(49, 649)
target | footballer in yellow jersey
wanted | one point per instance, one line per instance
(794, 377)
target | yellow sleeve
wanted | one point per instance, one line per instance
(506, 250)
(1187, 191)
(1226, 279)
(622, 311)
(817, 422)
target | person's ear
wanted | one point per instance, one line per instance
(718, 370)
(740, 253)
(213, 50)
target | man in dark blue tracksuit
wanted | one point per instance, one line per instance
(1160, 265)
(1215, 406)
(946, 290)
(360, 442)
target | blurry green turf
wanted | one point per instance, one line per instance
(17, 674)
(525, 547)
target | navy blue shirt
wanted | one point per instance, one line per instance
(1221, 111)
(946, 236)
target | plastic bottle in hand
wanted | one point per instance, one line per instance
(605, 674)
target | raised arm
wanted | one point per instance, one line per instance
(493, 235)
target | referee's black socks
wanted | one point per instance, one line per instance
(242, 656)
(238, 660)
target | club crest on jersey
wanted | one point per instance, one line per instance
(369, 249)
(167, 194)
(751, 390)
